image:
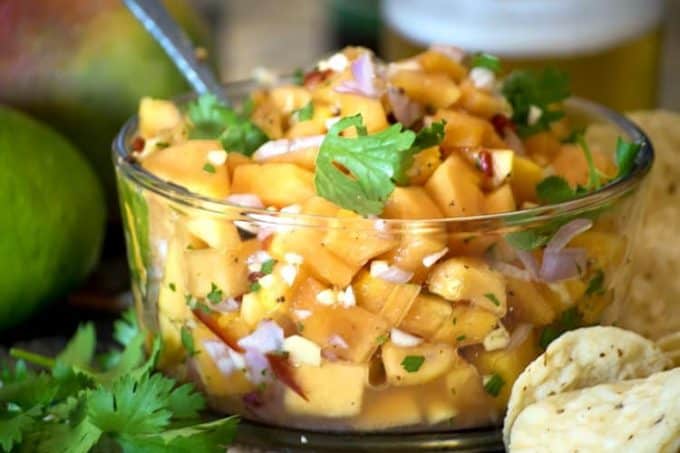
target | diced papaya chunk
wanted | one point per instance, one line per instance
(185, 165)
(528, 303)
(389, 300)
(500, 200)
(357, 243)
(418, 364)
(426, 316)
(466, 325)
(506, 363)
(410, 203)
(213, 379)
(454, 188)
(606, 249)
(416, 247)
(268, 117)
(277, 184)
(288, 98)
(570, 163)
(317, 260)
(424, 164)
(471, 279)
(332, 390)
(235, 160)
(465, 389)
(317, 205)
(273, 295)
(433, 89)
(479, 102)
(433, 61)
(383, 409)
(371, 111)
(358, 328)
(216, 233)
(157, 116)
(525, 175)
(222, 268)
(465, 130)
(542, 146)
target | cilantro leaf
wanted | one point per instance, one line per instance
(79, 351)
(528, 240)
(126, 328)
(494, 384)
(594, 182)
(596, 284)
(131, 406)
(524, 89)
(569, 320)
(209, 168)
(187, 340)
(212, 119)
(485, 60)
(429, 136)
(626, 153)
(79, 435)
(13, 426)
(268, 266)
(298, 76)
(412, 363)
(185, 403)
(372, 163)
(492, 297)
(305, 113)
(554, 189)
(215, 295)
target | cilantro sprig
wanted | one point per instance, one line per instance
(360, 173)
(485, 60)
(122, 405)
(211, 119)
(524, 89)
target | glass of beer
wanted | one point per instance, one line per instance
(610, 48)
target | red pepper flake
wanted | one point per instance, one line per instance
(212, 325)
(137, 144)
(485, 163)
(283, 370)
(501, 122)
(315, 77)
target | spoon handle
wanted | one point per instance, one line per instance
(155, 18)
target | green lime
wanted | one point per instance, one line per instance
(51, 216)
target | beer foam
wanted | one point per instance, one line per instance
(523, 28)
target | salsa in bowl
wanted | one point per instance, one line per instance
(374, 246)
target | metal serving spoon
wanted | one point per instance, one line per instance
(155, 18)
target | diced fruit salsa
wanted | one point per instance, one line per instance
(391, 326)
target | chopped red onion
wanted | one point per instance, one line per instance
(363, 83)
(220, 354)
(283, 146)
(258, 366)
(513, 141)
(567, 232)
(405, 110)
(267, 337)
(529, 262)
(248, 200)
(337, 340)
(454, 53)
(563, 264)
(518, 335)
(228, 305)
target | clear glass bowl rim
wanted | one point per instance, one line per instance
(505, 221)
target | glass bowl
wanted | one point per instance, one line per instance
(189, 258)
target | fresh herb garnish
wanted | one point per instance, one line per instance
(429, 136)
(211, 119)
(569, 320)
(209, 168)
(626, 153)
(492, 297)
(268, 266)
(299, 76)
(594, 182)
(554, 189)
(412, 363)
(172, 287)
(305, 113)
(215, 295)
(485, 60)
(76, 407)
(524, 89)
(359, 173)
(494, 384)
(528, 240)
(255, 287)
(187, 341)
(596, 284)
(460, 338)
(382, 339)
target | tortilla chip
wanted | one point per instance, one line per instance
(582, 358)
(641, 415)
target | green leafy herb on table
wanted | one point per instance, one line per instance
(76, 407)
(211, 119)
(528, 91)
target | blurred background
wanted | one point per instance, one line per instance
(82, 65)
